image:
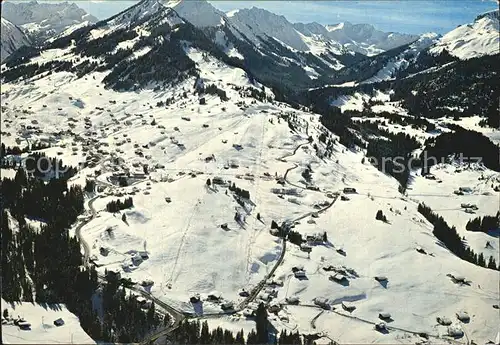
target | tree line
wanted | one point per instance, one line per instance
(45, 265)
(451, 239)
(118, 205)
(484, 224)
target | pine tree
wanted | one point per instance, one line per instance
(262, 324)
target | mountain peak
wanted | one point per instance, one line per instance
(198, 12)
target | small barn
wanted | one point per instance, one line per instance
(299, 274)
(227, 305)
(444, 321)
(292, 300)
(339, 278)
(463, 316)
(25, 326)
(321, 302)
(347, 306)
(349, 190)
(59, 322)
(384, 316)
(381, 279)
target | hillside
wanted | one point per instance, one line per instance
(197, 193)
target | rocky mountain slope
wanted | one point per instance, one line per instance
(12, 38)
(44, 20)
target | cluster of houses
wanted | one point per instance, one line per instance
(25, 325)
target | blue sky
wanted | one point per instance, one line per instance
(408, 16)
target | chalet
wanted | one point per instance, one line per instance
(305, 248)
(321, 302)
(420, 250)
(244, 293)
(137, 259)
(349, 190)
(339, 278)
(248, 312)
(314, 238)
(292, 300)
(59, 322)
(384, 316)
(265, 296)
(348, 306)
(274, 307)
(227, 305)
(463, 316)
(444, 321)
(25, 326)
(110, 274)
(381, 279)
(455, 331)
(300, 274)
(323, 341)
(147, 282)
(194, 299)
(217, 180)
(214, 297)
(271, 292)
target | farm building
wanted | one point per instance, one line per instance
(444, 321)
(347, 306)
(25, 326)
(305, 248)
(455, 331)
(463, 316)
(274, 307)
(214, 296)
(384, 316)
(265, 296)
(314, 238)
(339, 278)
(218, 180)
(299, 274)
(321, 302)
(380, 279)
(228, 305)
(323, 341)
(59, 322)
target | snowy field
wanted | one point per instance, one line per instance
(42, 330)
(248, 142)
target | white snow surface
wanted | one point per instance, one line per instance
(188, 250)
(472, 40)
(43, 330)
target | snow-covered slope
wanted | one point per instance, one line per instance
(200, 237)
(12, 37)
(44, 20)
(404, 59)
(472, 40)
(42, 330)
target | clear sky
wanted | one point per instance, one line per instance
(408, 16)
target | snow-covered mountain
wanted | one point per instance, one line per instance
(361, 38)
(44, 20)
(12, 38)
(472, 40)
(169, 103)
